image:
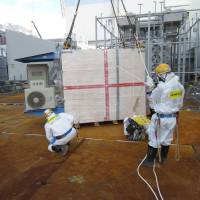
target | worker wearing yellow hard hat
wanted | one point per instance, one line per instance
(162, 69)
(166, 100)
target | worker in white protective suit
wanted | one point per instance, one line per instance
(166, 99)
(59, 131)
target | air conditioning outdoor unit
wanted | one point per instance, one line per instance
(40, 98)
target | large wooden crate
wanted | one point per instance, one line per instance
(96, 90)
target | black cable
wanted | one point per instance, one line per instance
(121, 37)
(130, 23)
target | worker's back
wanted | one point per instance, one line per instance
(61, 124)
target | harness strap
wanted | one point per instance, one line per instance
(166, 115)
(65, 134)
(60, 136)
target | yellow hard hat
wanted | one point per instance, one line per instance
(162, 69)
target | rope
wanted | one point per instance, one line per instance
(158, 187)
(146, 182)
(140, 53)
(158, 138)
(177, 153)
(138, 172)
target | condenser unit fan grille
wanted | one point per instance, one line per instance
(36, 99)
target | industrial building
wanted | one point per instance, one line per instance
(3, 58)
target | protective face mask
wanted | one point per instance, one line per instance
(162, 77)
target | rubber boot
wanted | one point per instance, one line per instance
(61, 149)
(151, 155)
(56, 148)
(164, 153)
(64, 149)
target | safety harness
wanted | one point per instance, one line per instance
(59, 136)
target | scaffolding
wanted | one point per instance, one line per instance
(167, 37)
(170, 35)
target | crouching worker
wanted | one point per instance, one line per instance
(167, 100)
(134, 127)
(59, 131)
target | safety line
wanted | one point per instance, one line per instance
(158, 187)
(146, 182)
(105, 140)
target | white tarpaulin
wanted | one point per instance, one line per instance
(96, 90)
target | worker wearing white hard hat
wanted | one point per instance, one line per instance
(166, 99)
(59, 131)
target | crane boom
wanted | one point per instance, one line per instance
(68, 40)
(36, 29)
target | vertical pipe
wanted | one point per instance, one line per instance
(105, 38)
(96, 32)
(179, 53)
(189, 51)
(137, 22)
(117, 7)
(111, 30)
(162, 37)
(161, 3)
(197, 51)
(140, 7)
(148, 54)
(117, 77)
(184, 55)
(118, 16)
(155, 5)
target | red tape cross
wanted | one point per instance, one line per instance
(106, 85)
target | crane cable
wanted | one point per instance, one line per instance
(140, 53)
(128, 17)
(117, 21)
(136, 38)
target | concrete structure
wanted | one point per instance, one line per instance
(20, 45)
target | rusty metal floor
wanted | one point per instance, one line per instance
(94, 169)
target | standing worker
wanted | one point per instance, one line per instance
(166, 99)
(59, 131)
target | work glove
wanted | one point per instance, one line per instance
(149, 84)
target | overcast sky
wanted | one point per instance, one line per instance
(51, 24)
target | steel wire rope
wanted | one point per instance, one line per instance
(142, 59)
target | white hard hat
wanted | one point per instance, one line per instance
(48, 112)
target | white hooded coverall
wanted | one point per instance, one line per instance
(166, 99)
(61, 124)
